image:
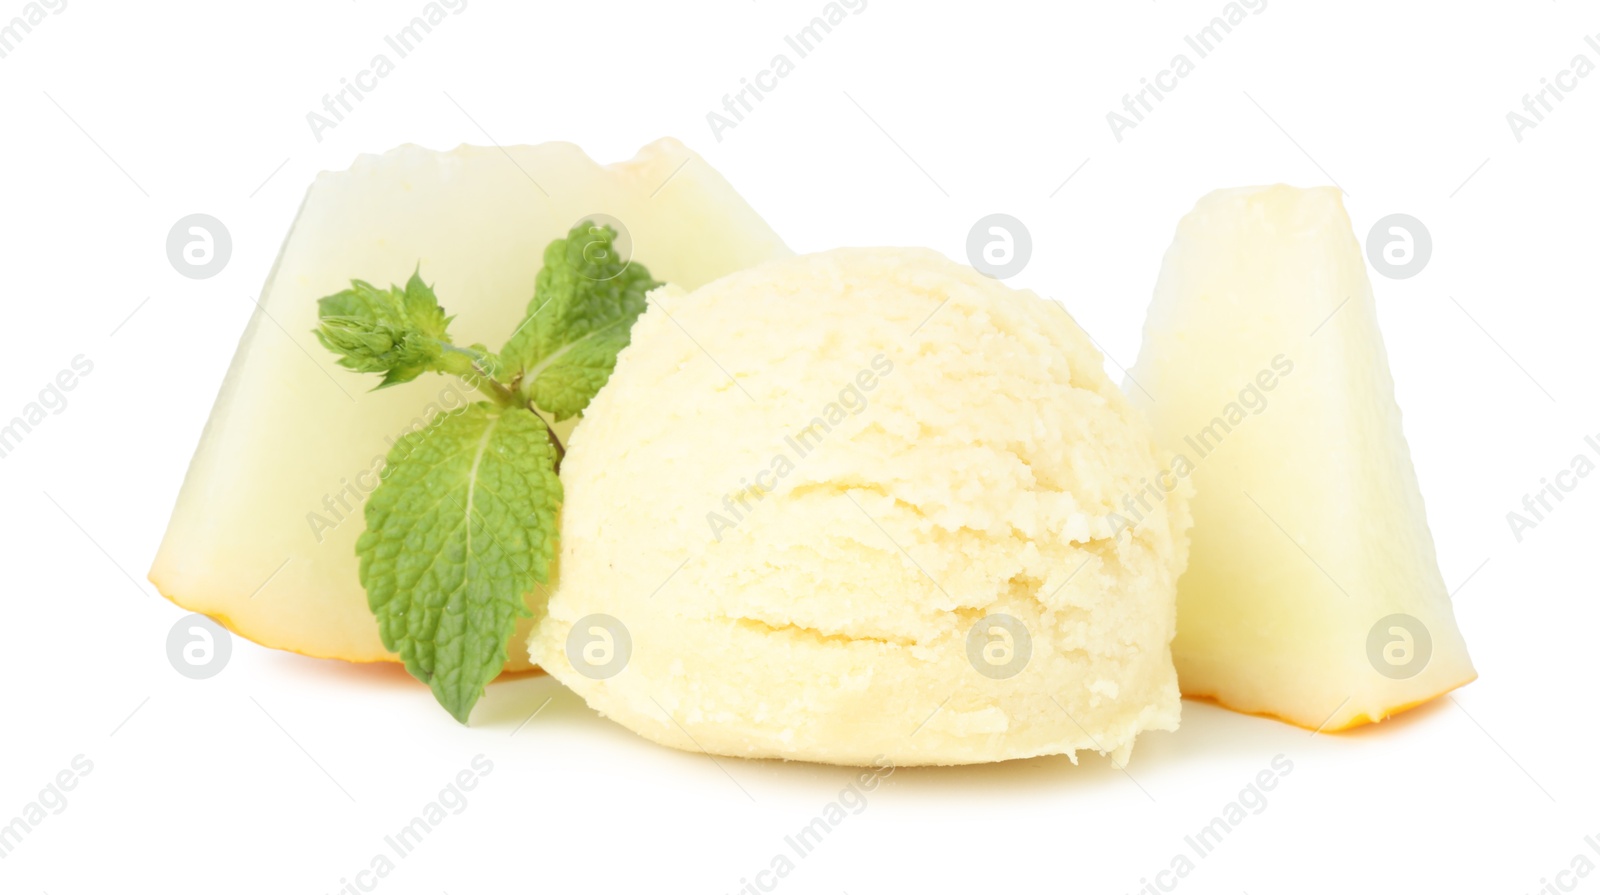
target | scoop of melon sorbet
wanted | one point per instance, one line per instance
(861, 506)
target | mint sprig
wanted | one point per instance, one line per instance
(398, 332)
(584, 304)
(457, 532)
(462, 525)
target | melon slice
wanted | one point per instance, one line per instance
(1312, 593)
(263, 536)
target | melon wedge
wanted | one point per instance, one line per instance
(263, 535)
(1312, 593)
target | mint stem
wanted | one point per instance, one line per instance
(504, 395)
(561, 449)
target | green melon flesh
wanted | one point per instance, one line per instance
(1309, 527)
(293, 437)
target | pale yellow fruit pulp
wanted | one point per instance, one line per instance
(263, 535)
(1262, 365)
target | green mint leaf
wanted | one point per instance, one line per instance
(401, 333)
(584, 303)
(460, 528)
(463, 523)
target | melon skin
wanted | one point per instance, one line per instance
(1309, 525)
(263, 534)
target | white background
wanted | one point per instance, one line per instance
(283, 773)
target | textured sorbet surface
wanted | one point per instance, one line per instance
(806, 484)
